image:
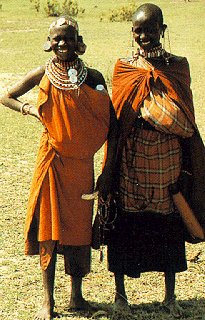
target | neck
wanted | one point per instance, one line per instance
(155, 52)
(68, 63)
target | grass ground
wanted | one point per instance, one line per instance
(22, 34)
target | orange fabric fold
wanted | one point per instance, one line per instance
(76, 126)
(131, 86)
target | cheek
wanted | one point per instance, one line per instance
(53, 44)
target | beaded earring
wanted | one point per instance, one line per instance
(165, 34)
(131, 45)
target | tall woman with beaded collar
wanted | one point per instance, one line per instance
(77, 115)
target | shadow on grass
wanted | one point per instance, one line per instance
(193, 309)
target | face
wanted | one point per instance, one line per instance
(146, 31)
(63, 42)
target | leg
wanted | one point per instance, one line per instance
(120, 293)
(170, 302)
(77, 301)
(48, 275)
(169, 285)
(77, 265)
(121, 303)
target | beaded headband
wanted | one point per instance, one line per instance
(64, 21)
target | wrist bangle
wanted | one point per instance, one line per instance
(25, 108)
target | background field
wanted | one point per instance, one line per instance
(22, 35)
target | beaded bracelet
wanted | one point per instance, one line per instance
(23, 110)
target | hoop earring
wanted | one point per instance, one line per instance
(167, 55)
(132, 44)
(133, 47)
(47, 46)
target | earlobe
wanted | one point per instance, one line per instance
(81, 46)
(164, 27)
(47, 45)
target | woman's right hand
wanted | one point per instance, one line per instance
(28, 109)
(33, 111)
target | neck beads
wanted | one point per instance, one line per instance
(66, 75)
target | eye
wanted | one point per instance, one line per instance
(55, 39)
(70, 39)
(153, 30)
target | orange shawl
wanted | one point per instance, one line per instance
(76, 127)
(131, 86)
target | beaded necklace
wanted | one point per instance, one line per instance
(66, 75)
(156, 52)
(153, 53)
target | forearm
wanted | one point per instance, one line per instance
(112, 142)
(11, 98)
(11, 103)
(23, 107)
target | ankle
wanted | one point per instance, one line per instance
(121, 296)
(169, 299)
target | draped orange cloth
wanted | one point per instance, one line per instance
(131, 85)
(76, 126)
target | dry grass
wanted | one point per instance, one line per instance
(20, 279)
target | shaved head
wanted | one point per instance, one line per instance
(148, 10)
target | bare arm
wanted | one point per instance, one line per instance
(10, 99)
(104, 183)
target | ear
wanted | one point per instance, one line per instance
(81, 46)
(164, 27)
(47, 45)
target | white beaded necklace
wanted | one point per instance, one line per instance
(66, 75)
(153, 53)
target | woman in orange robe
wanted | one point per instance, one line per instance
(75, 109)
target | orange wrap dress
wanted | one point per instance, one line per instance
(76, 126)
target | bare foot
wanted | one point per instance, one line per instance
(78, 304)
(121, 306)
(173, 307)
(45, 313)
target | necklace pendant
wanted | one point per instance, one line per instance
(72, 72)
(73, 79)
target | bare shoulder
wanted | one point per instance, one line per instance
(179, 59)
(35, 75)
(94, 78)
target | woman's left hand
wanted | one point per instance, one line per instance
(104, 185)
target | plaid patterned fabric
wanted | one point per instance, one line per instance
(151, 161)
(165, 115)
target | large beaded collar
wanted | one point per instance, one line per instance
(66, 75)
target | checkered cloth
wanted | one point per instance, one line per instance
(151, 161)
